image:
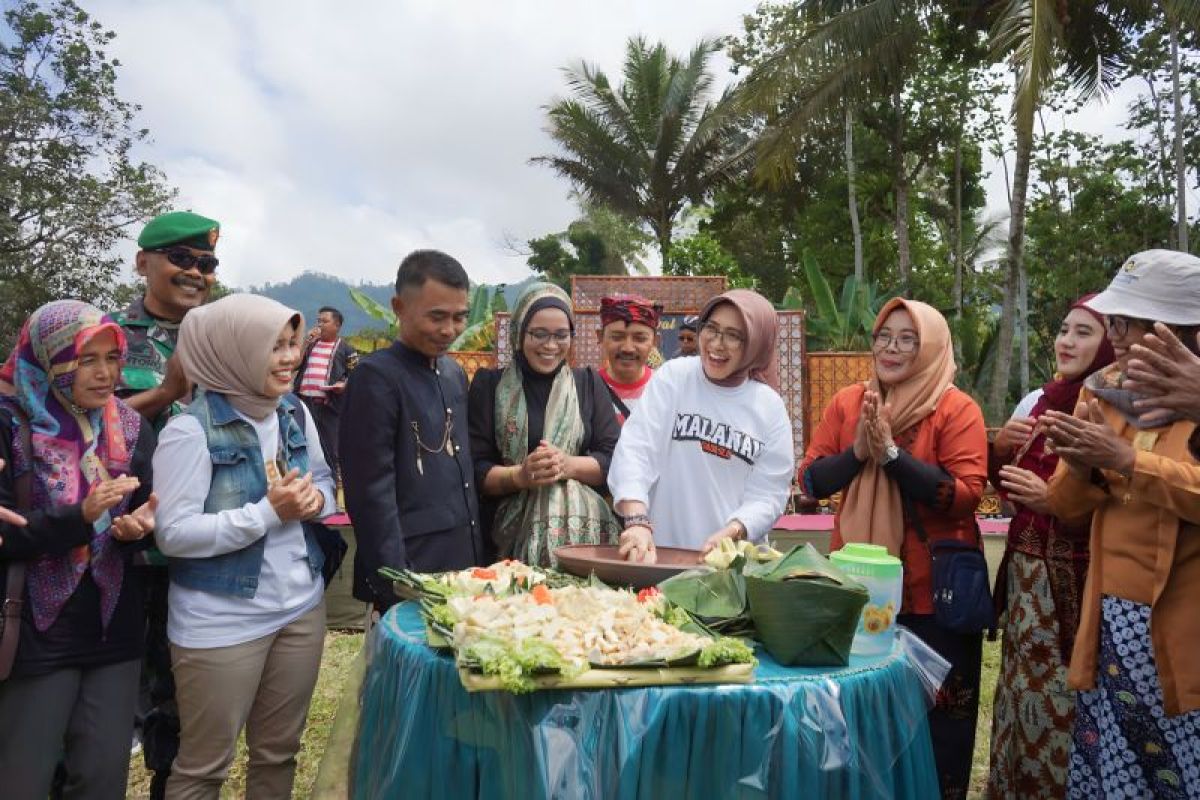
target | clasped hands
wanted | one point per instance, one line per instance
(295, 499)
(546, 465)
(1088, 442)
(873, 436)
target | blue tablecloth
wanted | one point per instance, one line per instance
(853, 732)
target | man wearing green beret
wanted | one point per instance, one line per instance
(175, 257)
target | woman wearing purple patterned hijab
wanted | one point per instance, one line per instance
(79, 471)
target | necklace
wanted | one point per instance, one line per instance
(446, 445)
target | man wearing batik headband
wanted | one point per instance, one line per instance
(628, 334)
(176, 258)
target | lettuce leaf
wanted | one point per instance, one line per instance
(726, 650)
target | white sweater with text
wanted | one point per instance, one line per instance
(701, 455)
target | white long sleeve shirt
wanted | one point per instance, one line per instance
(701, 455)
(287, 589)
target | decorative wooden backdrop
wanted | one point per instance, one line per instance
(677, 294)
(472, 360)
(827, 373)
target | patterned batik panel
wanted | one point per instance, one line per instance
(473, 360)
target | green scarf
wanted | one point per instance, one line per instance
(530, 524)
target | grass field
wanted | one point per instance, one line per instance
(340, 649)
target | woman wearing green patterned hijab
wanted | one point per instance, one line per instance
(542, 435)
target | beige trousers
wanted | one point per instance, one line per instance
(264, 685)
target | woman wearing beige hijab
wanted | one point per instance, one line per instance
(707, 455)
(240, 470)
(908, 451)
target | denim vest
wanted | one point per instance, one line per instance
(240, 477)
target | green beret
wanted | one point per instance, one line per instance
(180, 227)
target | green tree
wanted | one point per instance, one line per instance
(1170, 131)
(1087, 43)
(69, 183)
(650, 146)
(824, 65)
(700, 253)
(600, 242)
(1088, 213)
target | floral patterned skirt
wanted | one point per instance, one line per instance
(1034, 708)
(1124, 744)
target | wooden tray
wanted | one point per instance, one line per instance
(621, 678)
(604, 561)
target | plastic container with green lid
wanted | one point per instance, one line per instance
(883, 575)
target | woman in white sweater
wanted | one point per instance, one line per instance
(708, 455)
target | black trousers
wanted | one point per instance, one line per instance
(952, 719)
(327, 419)
(84, 715)
(159, 717)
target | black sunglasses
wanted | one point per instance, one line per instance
(185, 259)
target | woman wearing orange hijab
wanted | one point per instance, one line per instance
(909, 453)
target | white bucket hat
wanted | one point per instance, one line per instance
(1155, 285)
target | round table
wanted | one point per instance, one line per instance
(857, 731)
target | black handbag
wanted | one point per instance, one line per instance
(333, 545)
(962, 601)
(962, 595)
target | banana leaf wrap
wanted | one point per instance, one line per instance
(804, 608)
(715, 598)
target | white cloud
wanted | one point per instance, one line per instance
(337, 137)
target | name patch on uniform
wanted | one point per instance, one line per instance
(716, 438)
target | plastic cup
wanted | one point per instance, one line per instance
(883, 575)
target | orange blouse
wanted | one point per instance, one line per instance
(953, 437)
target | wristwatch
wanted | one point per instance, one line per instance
(892, 453)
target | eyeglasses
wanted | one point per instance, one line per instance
(185, 259)
(1119, 326)
(905, 342)
(731, 338)
(540, 336)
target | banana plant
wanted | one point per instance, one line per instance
(843, 324)
(480, 333)
(376, 310)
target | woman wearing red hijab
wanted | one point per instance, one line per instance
(1040, 583)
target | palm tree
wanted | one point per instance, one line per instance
(648, 147)
(843, 55)
(1087, 42)
(1179, 13)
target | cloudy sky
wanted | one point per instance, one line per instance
(337, 136)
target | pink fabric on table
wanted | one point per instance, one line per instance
(805, 522)
(824, 522)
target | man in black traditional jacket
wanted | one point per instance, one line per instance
(406, 462)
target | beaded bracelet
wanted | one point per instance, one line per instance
(635, 520)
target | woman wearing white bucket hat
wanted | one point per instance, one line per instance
(1136, 658)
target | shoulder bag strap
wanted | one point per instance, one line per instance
(14, 589)
(617, 401)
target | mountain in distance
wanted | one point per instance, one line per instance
(310, 290)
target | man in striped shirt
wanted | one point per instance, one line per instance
(328, 359)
